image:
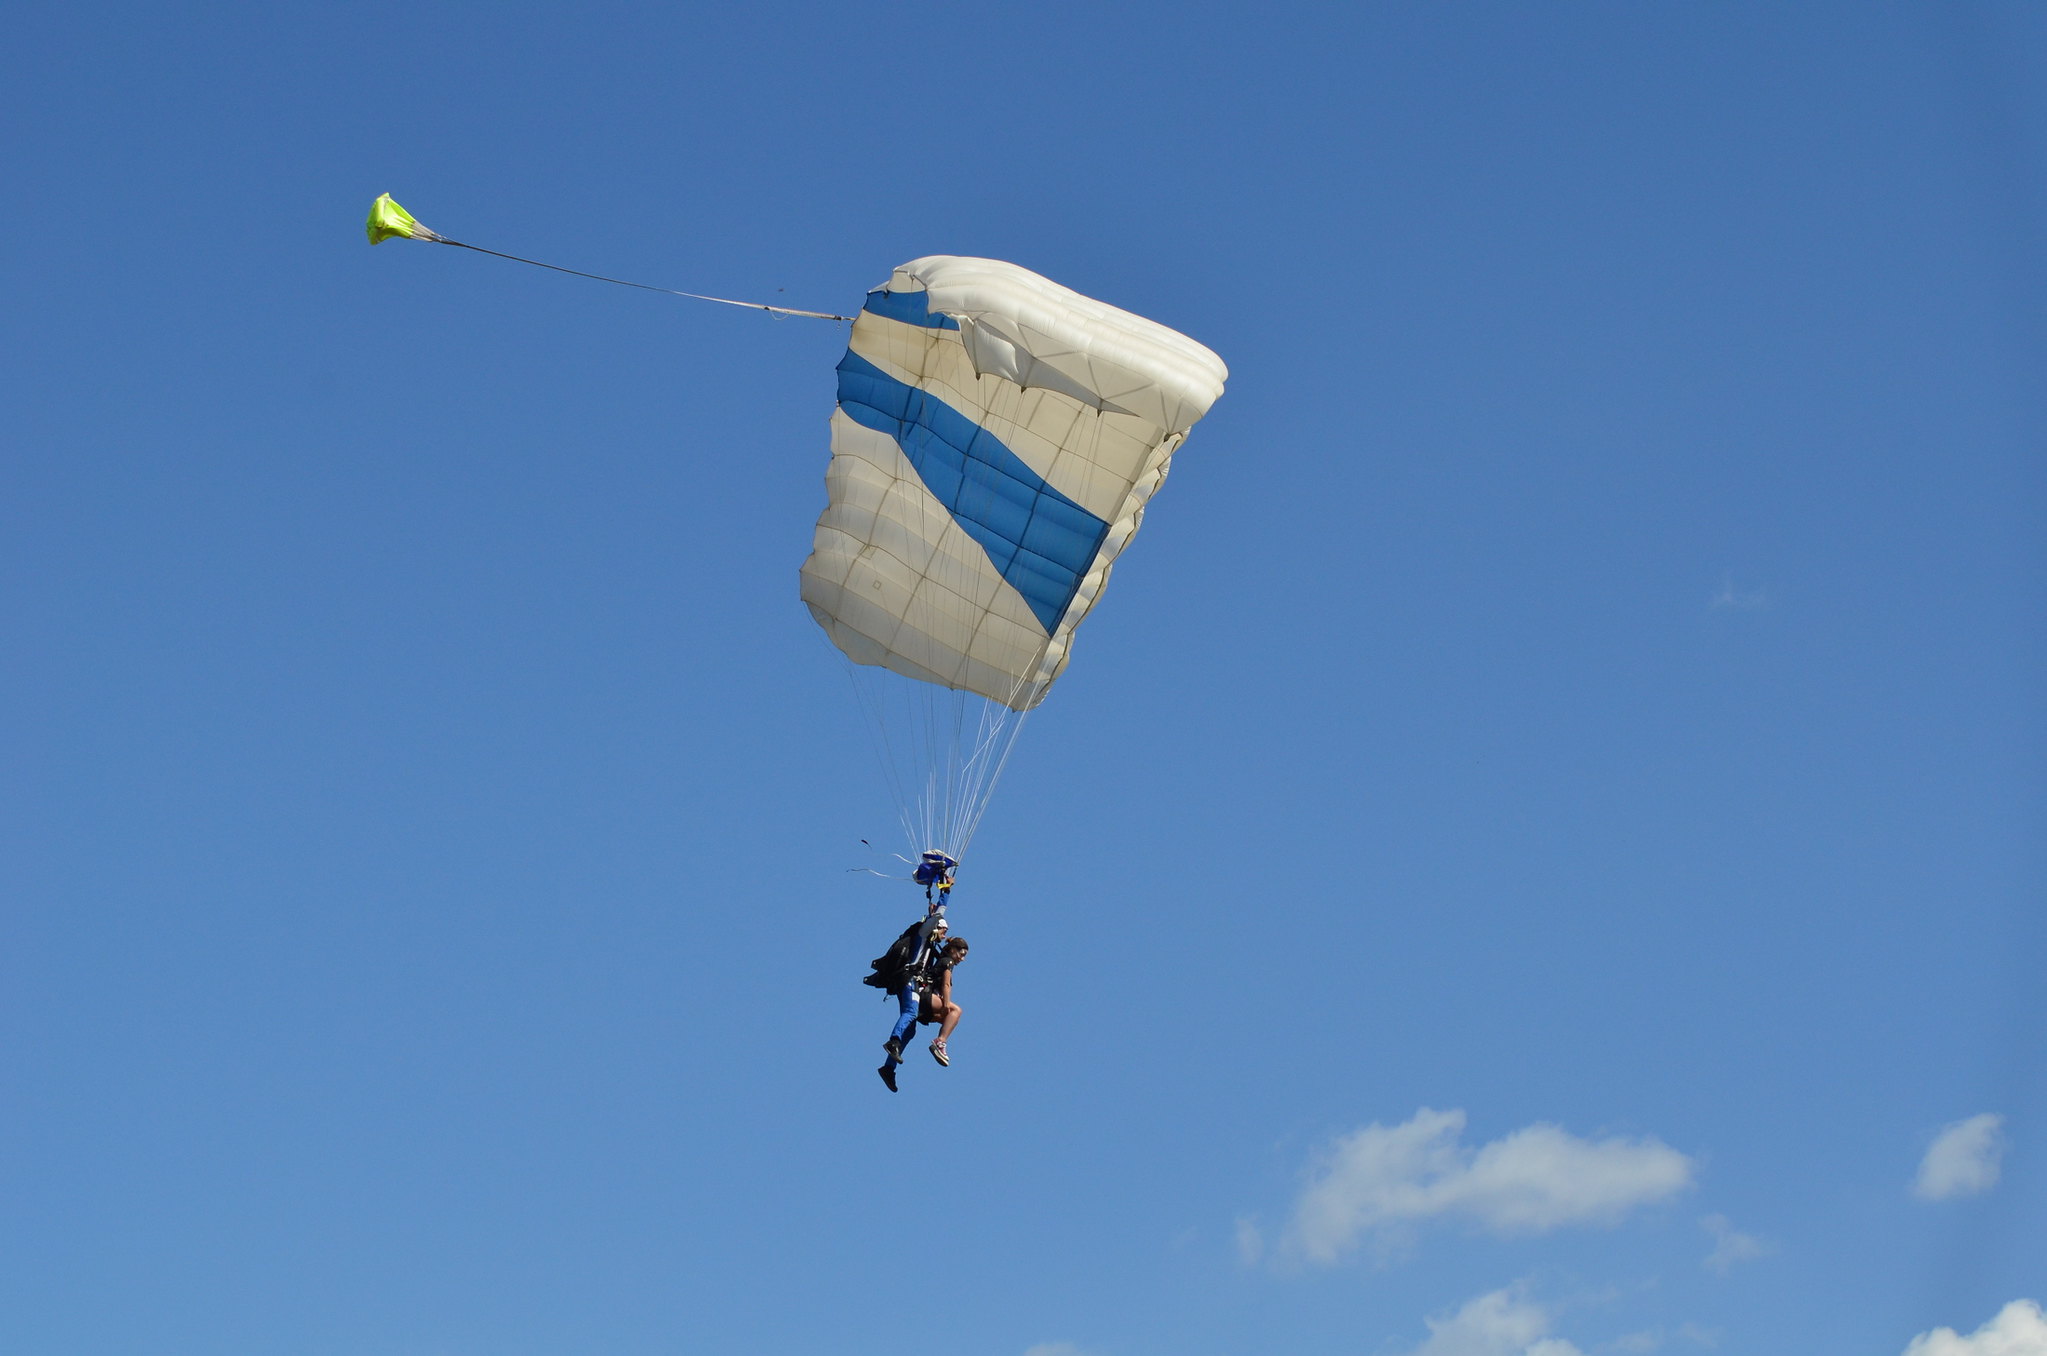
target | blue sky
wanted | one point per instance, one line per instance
(1538, 853)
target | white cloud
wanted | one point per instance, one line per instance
(1380, 1180)
(1504, 1323)
(1727, 595)
(1963, 1159)
(1730, 1245)
(1656, 1339)
(1250, 1242)
(2019, 1329)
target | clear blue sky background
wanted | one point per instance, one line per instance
(1584, 673)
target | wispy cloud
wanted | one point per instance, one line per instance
(1963, 1159)
(1250, 1242)
(1657, 1339)
(1504, 1323)
(1380, 1181)
(1744, 600)
(2019, 1329)
(1730, 1245)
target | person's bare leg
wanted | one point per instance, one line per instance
(952, 1019)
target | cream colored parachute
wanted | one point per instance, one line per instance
(997, 439)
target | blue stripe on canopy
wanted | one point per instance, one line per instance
(912, 308)
(1040, 541)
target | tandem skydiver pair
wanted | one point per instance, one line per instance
(916, 970)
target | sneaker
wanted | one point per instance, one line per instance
(888, 1076)
(938, 1053)
(895, 1050)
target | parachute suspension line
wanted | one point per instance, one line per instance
(993, 757)
(904, 724)
(942, 752)
(937, 769)
(1001, 724)
(956, 770)
(870, 699)
(996, 721)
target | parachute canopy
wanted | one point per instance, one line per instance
(996, 440)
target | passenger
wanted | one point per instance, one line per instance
(937, 1006)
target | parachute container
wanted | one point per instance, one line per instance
(997, 439)
(933, 868)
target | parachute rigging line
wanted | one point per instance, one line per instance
(390, 221)
(942, 752)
